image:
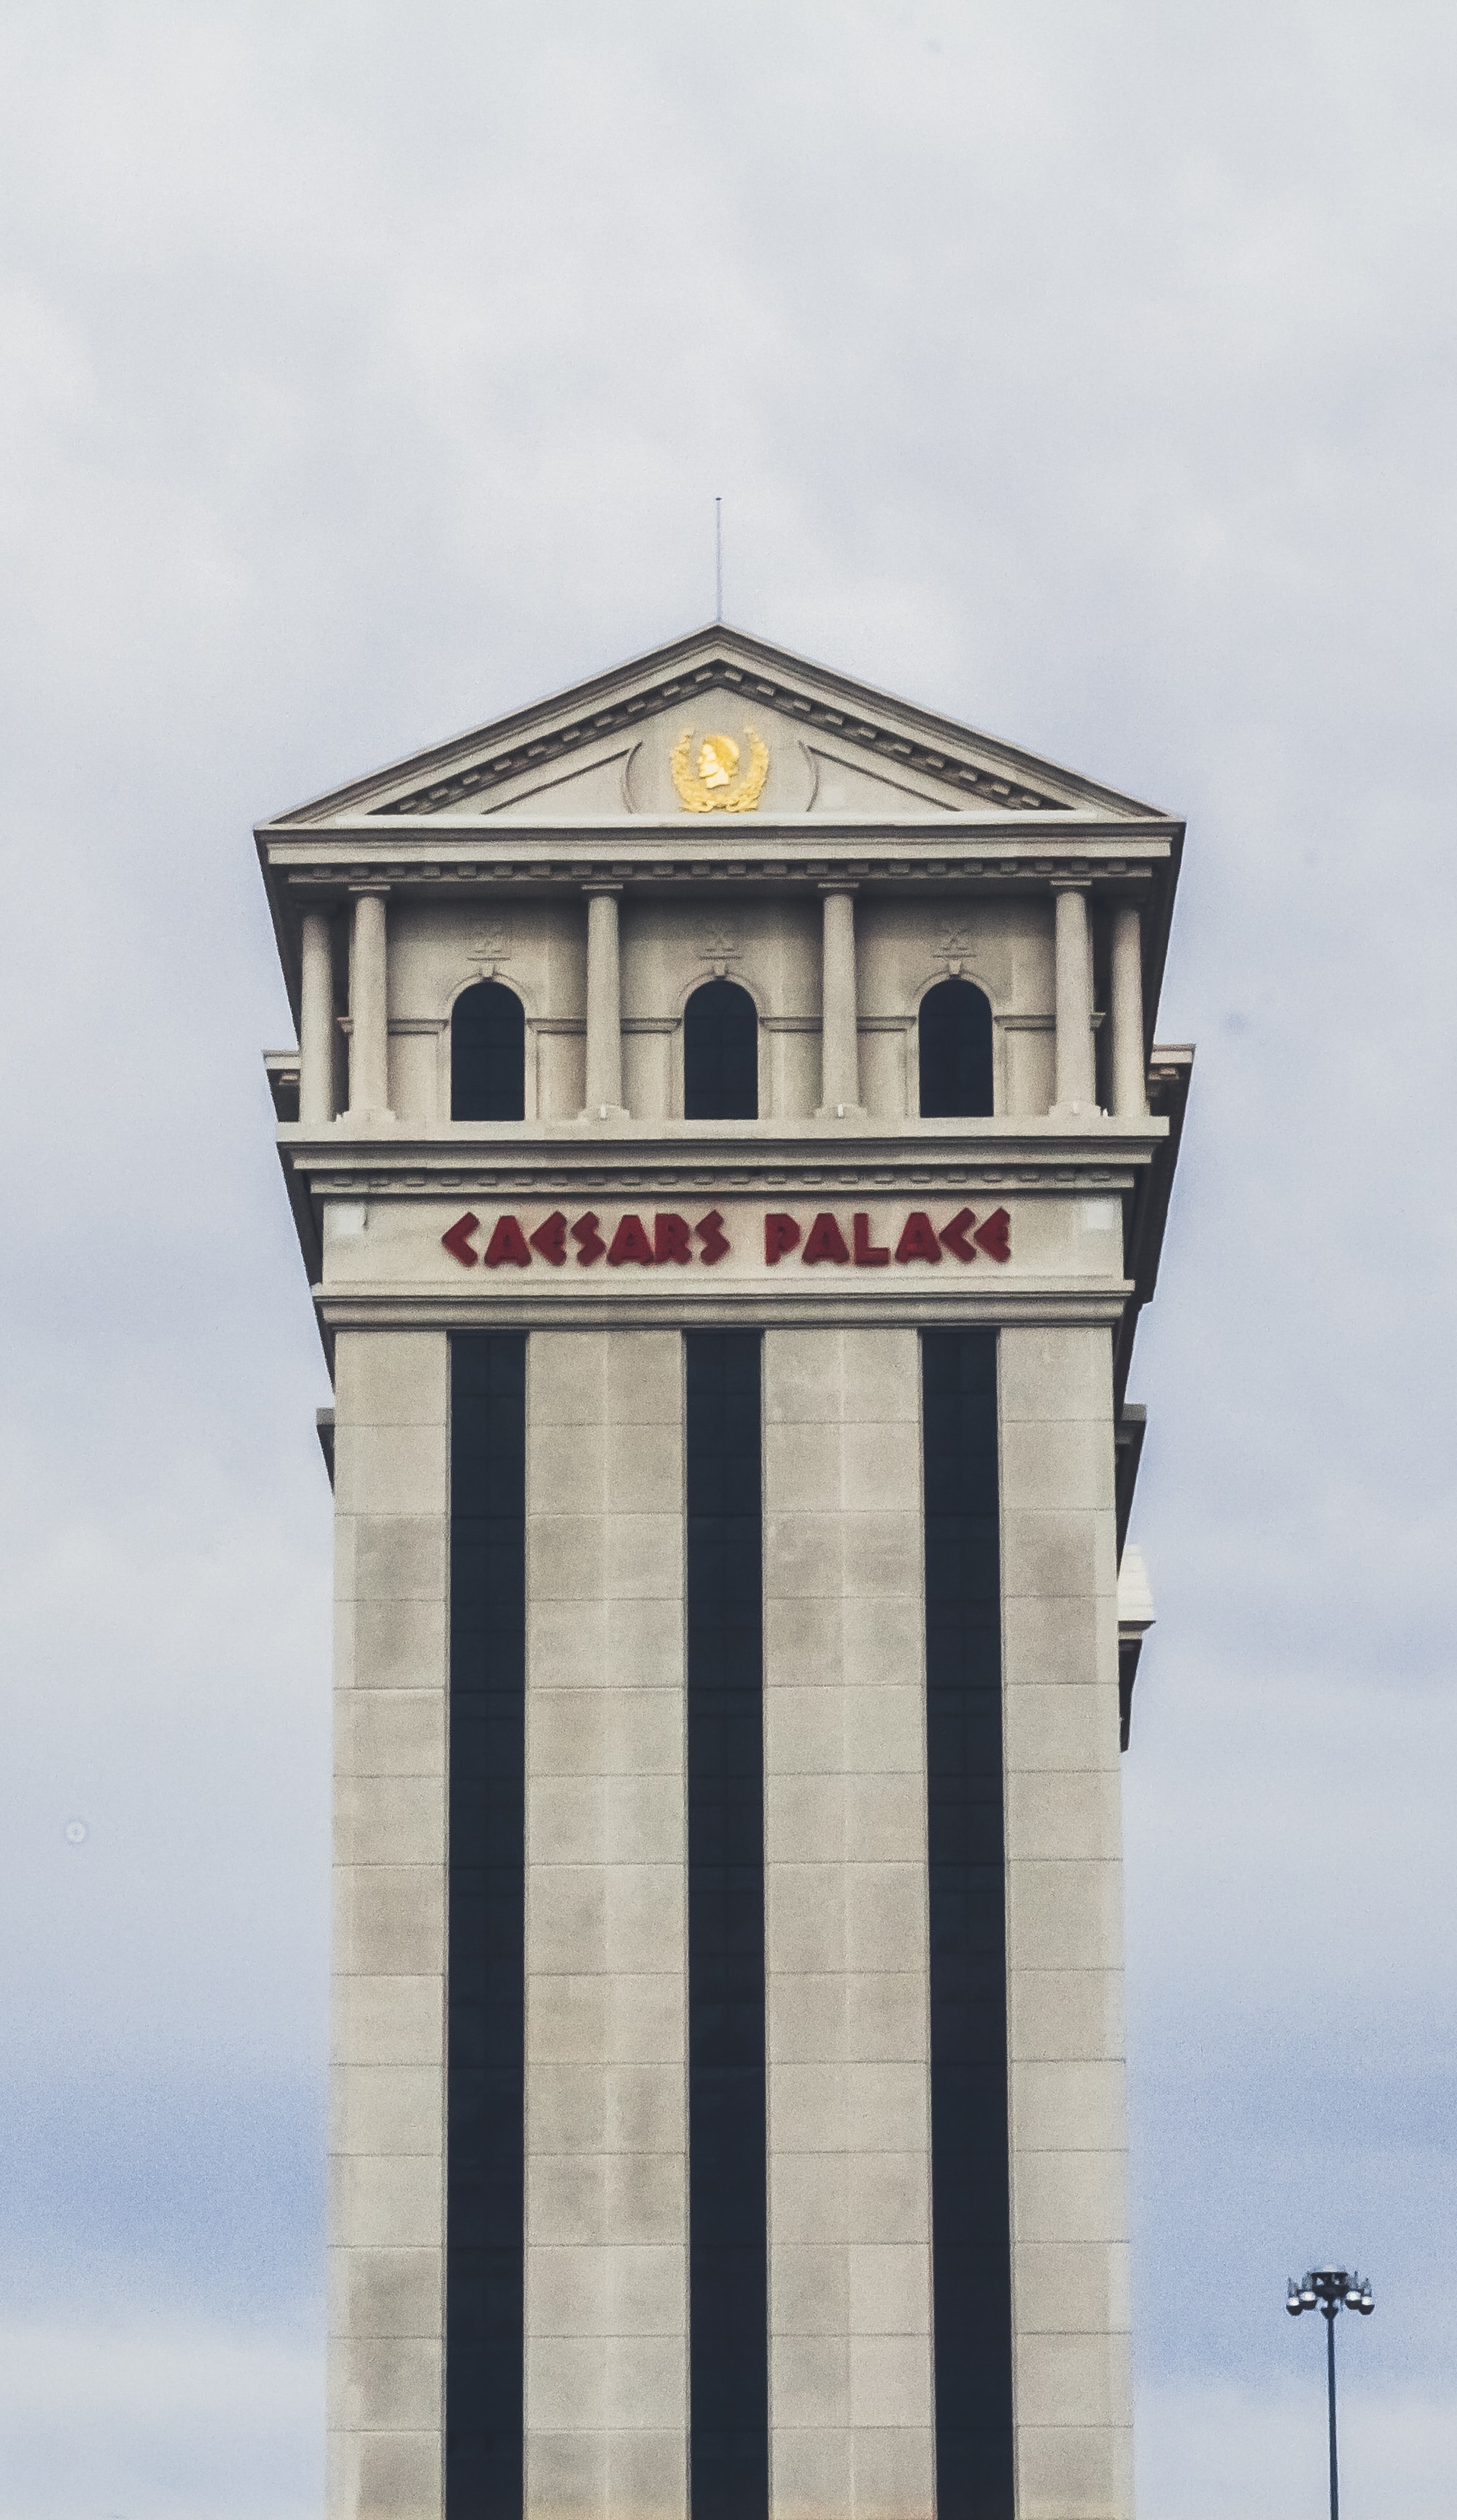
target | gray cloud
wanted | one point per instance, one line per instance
(1083, 371)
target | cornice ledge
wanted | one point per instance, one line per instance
(970, 829)
(421, 1307)
(1039, 1146)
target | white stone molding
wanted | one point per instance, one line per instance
(781, 852)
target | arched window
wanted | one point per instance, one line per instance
(955, 1053)
(487, 1055)
(720, 1054)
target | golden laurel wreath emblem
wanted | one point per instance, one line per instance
(716, 783)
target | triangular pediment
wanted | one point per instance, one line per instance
(797, 739)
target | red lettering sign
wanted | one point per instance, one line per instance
(918, 1239)
(672, 1237)
(824, 1241)
(630, 1242)
(781, 1235)
(996, 1235)
(868, 1255)
(716, 1243)
(670, 1240)
(550, 1238)
(506, 1243)
(458, 1240)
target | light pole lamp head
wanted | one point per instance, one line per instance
(1328, 2289)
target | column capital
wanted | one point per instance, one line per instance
(374, 890)
(602, 884)
(837, 884)
(1071, 884)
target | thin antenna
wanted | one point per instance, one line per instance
(719, 560)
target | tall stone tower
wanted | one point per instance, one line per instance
(729, 1160)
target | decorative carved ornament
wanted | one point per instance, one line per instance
(716, 783)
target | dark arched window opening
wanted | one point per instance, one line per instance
(720, 1054)
(487, 1055)
(955, 1053)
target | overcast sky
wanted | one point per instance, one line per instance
(1082, 371)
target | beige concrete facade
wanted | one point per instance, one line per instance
(607, 2131)
(551, 851)
(388, 2117)
(848, 2034)
(1065, 1924)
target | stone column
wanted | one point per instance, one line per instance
(1075, 1092)
(1130, 1099)
(388, 2075)
(606, 1995)
(316, 1020)
(840, 1048)
(846, 1927)
(1064, 1918)
(604, 1007)
(369, 1009)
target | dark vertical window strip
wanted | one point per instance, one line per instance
(488, 1054)
(728, 2243)
(484, 2317)
(970, 2234)
(956, 1053)
(720, 1054)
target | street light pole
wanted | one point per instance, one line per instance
(1329, 2318)
(1330, 2290)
